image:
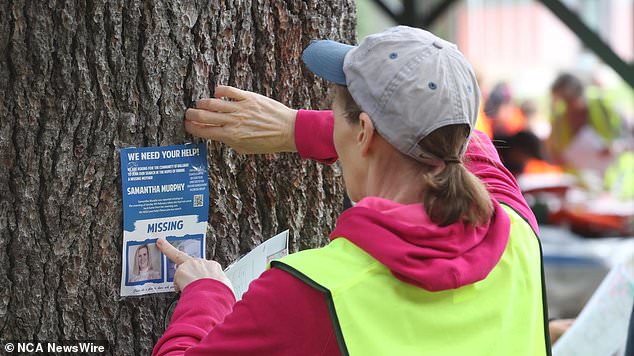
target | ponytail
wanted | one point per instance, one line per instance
(453, 193)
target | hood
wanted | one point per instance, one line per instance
(419, 252)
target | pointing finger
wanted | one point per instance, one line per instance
(171, 252)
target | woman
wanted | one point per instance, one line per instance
(142, 269)
(427, 262)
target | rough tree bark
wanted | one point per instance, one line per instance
(81, 79)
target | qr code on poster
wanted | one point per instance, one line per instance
(198, 200)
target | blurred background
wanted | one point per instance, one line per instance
(556, 78)
(522, 43)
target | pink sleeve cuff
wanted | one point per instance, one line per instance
(203, 304)
(313, 135)
(204, 284)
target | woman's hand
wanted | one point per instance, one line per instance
(558, 327)
(249, 122)
(190, 269)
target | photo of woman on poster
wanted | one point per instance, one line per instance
(142, 269)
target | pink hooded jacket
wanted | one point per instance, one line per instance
(281, 315)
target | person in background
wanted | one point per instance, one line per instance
(534, 123)
(507, 119)
(523, 154)
(440, 254)
(584, 127)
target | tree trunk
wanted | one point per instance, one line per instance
(81, 79)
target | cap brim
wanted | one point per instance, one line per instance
(325, 59)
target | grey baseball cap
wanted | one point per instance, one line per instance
(408, 80)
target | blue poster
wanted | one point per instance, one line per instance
(165, 194)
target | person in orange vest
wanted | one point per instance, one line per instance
(507, 118)
(523, 154)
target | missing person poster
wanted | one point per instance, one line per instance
(165, 194)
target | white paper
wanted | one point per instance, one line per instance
(251, 266)
(601, 327)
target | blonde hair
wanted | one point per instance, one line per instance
(135, 268)
(451, 193)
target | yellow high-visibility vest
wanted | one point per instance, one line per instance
(374, 313)
(603, 120)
